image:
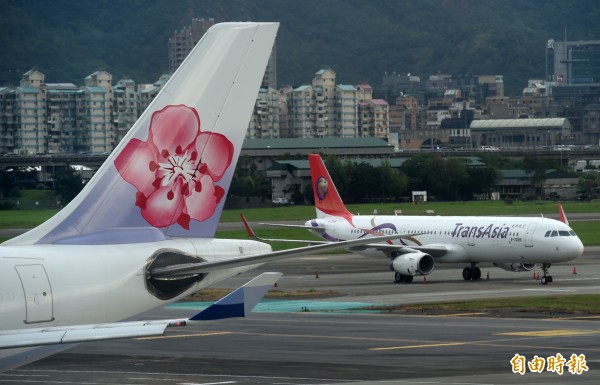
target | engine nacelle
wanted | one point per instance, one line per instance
(413, 264)
(516, 267)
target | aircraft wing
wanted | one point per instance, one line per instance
(435, 250)
(186, 269)
(252, 234)
(238, 303)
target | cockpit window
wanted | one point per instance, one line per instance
(564, 233)
(554, 233)
(572, 233)
(547, 233)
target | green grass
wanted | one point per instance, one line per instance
(439, 208)
(24, 219)
(584, 303)
(587, 230)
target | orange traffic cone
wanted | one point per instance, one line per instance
(534, 276)
(574, 270)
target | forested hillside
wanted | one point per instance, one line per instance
(68, 40)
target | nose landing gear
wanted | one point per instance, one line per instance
(546, 278)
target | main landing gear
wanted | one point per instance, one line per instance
(546, 278)
(398, 278)
(471, 273)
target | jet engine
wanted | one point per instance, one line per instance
(515, 266)
(413, 264)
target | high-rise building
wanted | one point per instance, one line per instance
(573, 62)
(182, 42)
(264, 123)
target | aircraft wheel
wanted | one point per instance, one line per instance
(397, 278)
(544, 280)
(408, 278)
(467, 273)
(549, 279)
(476, 274)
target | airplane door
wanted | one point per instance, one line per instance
(529, 235)
(38, 294)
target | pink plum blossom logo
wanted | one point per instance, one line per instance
(176, 169)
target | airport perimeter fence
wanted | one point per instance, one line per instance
(26, 204)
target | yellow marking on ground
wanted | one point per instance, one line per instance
(185, 335)
(551, 333)
(578, 317)
(455, 314)
(422, 346)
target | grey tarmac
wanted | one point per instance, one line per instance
(310, 347)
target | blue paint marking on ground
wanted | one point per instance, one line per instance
(291, 306)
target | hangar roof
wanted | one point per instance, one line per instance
(556, 123)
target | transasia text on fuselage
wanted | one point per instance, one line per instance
(490, 231)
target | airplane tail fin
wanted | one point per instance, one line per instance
(561, 213)
(170, 174)
(327, 199)
(241, 301)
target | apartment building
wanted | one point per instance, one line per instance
(51, 118)
(264, 123)
(326, 109)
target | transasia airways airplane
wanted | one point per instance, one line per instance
(511, 243)
(141, 233)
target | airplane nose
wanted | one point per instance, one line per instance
(579, 248)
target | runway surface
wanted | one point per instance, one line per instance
(337, 346)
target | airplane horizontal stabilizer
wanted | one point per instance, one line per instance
(241, 301)
(249, 295)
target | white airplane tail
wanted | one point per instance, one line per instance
(170, 175)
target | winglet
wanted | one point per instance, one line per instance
(327, 198)
(241, 301)
(249, 230)
(561, 213)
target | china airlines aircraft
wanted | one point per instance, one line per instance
(511, 243)
(141, 233)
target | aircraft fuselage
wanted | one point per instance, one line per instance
(469, 239)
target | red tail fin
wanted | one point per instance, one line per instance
(561, 212)
(327, 199)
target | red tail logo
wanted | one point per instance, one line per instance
(327, 199)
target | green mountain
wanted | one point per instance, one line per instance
(360, 40)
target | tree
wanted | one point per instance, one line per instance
(247, 181)
(480, 180)
(67, 184)
(441, 178)
(536, 169)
